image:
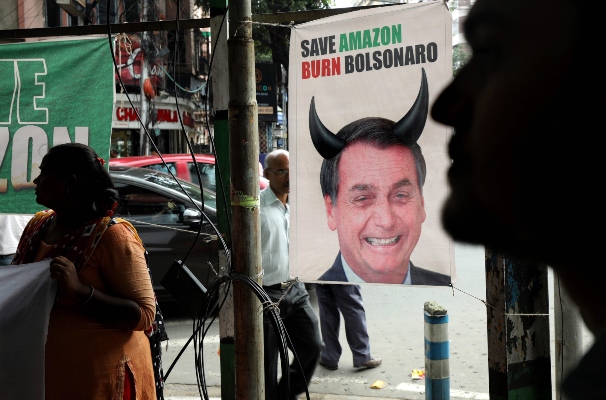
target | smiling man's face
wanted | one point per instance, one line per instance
(379, 211)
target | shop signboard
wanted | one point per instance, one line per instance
(267, 97)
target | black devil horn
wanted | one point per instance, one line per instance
(326, 143)
(409, 128)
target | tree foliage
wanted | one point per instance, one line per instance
(461, 53)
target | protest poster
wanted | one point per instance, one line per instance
(368, 63)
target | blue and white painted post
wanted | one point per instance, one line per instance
(437, 353)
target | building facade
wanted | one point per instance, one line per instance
(161, 83)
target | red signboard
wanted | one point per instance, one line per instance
(164, 115)
(129, 59)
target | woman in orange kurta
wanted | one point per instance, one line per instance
(96, 347)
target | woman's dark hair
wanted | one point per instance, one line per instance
(93, 184)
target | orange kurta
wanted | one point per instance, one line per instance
(86, 358)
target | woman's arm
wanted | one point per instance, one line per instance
(128, 300)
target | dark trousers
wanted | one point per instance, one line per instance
(301, 324)
(348, 300)
(6, 259)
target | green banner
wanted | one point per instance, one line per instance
(51, 92)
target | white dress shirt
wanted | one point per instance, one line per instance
(275, 222)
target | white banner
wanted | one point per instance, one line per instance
(368, 63)
(27, 295)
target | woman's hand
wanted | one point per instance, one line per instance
(64, 272)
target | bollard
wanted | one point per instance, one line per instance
(437, 352)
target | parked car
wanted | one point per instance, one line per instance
(167, 221)
(182, 166)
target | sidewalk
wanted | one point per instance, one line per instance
(396, 328)
(190, 392)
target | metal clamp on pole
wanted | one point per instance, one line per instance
(437, 352)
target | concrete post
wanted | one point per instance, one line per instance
(568, 334)
(519, 364)
(437, 353)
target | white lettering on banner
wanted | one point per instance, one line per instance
(26, 73)
(32, 140)
(19, 165)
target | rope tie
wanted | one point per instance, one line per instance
(496, 309)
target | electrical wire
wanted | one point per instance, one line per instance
(33, 19)
(209, 307)
(201, 210)
(212, 140)
(179, 86)
(189, 146)
(14, 10)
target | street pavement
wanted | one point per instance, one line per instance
(396, 327)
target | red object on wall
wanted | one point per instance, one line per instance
(129, 59)
(149, 88)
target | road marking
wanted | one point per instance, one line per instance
(409, 387)
(188, 398)
(340, 379)
(181, 342)
(462, 394)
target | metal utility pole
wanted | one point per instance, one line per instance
(246, 232)
(568, 334)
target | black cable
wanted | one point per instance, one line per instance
(208, 307)
(200, 322)
(217, 166)
(117, 69)
(206, 107)
(276, 321)
(284, 341)
(191, 151)
(156, 148)
(217, 283)
(189, 147)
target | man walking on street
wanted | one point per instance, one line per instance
(300, 321)
(347, 299)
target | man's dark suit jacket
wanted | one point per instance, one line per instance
(418, 276)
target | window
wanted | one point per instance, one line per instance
(207, 173)
(163, 168)
(146, 206)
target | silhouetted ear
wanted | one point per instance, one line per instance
(330, 213)
(326, 143)
(409, 128)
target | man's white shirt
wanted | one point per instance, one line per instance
(275, 223)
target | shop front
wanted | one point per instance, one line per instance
(162, 121)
